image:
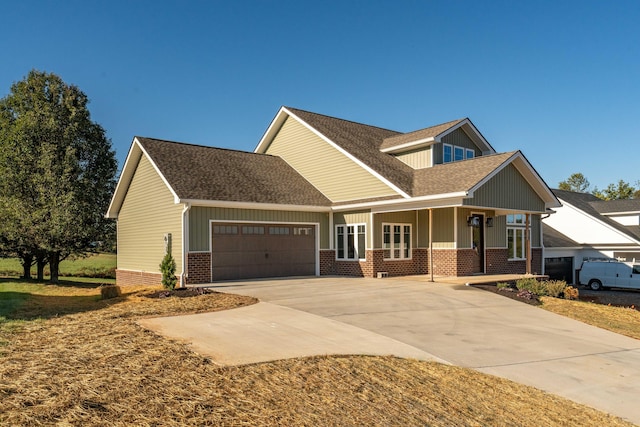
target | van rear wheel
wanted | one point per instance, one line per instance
(595, 285)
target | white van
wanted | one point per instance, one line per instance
(609, 274)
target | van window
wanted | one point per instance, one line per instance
(636, 269)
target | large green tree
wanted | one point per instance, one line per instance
(57, 172)
(621, 190)
(576, 182)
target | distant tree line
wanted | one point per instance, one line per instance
(620, 190)
(57, 174)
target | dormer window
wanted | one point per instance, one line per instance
(454, 153)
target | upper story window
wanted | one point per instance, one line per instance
(454, 153)
(350, 242)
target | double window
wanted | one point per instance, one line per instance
(350, 241)
(454, 153)
(516, 236)
(396, 241)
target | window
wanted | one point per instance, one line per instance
(350, 241)
(447, 153)
(396, 241)
(454, 153)
(515, 236)
(225, 229)
(458, 153)
(247, 229)
(279, 230)
(303, 231)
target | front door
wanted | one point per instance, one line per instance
(477, 242)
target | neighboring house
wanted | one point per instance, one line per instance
(323, 196)
(588, 227)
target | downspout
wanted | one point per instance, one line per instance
(185, 244)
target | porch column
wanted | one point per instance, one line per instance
(527, 242)
(431, 245)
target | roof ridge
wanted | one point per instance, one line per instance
(203, 146)
(293, 109)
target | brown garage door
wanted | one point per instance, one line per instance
(244, 251)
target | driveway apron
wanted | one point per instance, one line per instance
(476, 329)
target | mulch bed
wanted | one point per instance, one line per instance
(180, 293)
(509, 293)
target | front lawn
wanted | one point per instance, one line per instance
(70, 358)
(100, 265)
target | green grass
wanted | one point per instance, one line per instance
(98, 265)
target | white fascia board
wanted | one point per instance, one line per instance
(344, 152)
(612, 214)
(275, 124)
(438, 200)
(176, 199)
(255, 206)
(126, 175)
(409, 145)
(479, 138)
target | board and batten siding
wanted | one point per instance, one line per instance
(147, 214)
(405, 217)
(497, 235)
(417, 159)
(457, 137)
(443, 228)
(465, 232)
(199, 218)
(508, 189)
(337, 176)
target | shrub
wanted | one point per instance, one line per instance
(168, 269)
(555, 288)
(571, 293)
(526, 283)
(110, 291)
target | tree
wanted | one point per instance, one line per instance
(622, 190)
(57, 171)
(576, 182)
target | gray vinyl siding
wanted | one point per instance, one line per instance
(417, 159)
(337, 176)
(464, 231)
(199, 217)
(147, 214)
(507, 190)
(497, 236)
(406, 217)
(443, 228)
(423, 229)
(457, 137)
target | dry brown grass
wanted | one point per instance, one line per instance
(96, 366)
(621, 320)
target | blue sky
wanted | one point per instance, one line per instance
(558, 80)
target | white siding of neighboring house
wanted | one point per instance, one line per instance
(627, 219)
(583, 228)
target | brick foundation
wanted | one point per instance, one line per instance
(373, 264)
(128, 277)
(498, 263)
(198, 268)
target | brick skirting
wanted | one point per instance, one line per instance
(128, 277)
(198, 268)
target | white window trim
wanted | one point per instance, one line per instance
(447, 145)
(392, 250)
(355, 241)
(516, 226)
(465, 153)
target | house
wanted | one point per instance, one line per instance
(588, 227)
(327, 196)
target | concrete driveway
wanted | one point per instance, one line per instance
(411, 317)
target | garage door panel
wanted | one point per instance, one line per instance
(242, 251)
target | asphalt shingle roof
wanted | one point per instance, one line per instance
(429, 132)
(616, 206)
(197, 172)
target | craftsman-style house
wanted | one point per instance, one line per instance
(326, 196)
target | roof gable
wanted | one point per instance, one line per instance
(434, 134)
(196, 173)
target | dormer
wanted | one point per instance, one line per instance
(448, 142)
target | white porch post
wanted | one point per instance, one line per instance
(527, 242)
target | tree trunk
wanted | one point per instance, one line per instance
(27, 261)
(41, 262)
(54, 264)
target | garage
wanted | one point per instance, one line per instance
(254, 250)
(560, 268)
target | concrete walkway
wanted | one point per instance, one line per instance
(411, 317)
